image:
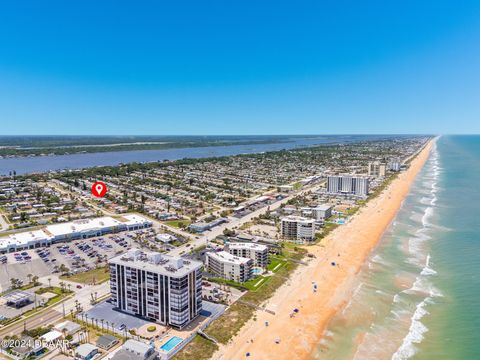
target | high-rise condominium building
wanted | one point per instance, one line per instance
(377, 169)
(347, 185)
(298, 228)
(162, 288)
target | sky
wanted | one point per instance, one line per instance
(239, 67)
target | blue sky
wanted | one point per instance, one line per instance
(239, 67)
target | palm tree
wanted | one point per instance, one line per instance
(29, 276)
(14, 283)
(35, 280)
(102, 321)
(62, 286)
(49, 282)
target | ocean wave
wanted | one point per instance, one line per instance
(415, 333)
(423, 286)
(428, 213)
(427, 270)
(379, 260)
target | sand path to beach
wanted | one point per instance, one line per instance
(299, 335)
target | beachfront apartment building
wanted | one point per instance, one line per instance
(158, 287)
(257, 252)
(348, 185)
(395, 165)
(73, 230)
(298, 228)
(319, 212)
(229, 267)
(377, 169)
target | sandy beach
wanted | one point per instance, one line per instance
(348, 246)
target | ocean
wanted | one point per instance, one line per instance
(418, 296)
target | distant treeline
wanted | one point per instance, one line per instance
(72, 145)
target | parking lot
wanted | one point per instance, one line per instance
(76, 256)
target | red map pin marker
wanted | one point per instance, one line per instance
(99, 189)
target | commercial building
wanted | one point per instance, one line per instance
(298, 228)
(228, 266)
(200, 227)
(319, 212)
(162, 288)
(347, 185)
(78, 229)
(377, 169)
(18, 298)
(257, 252)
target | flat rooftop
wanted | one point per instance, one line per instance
(155, 262)
(297, 219)
(246, 245)
(226, 257)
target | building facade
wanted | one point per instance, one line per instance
(73, 230)
(319, 212)
(229, 267)
(377, 169)
(257, 252)
(162, 288)
(298, 228)
(348, 185)
(395, 165)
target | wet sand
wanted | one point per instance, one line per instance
(300, 335)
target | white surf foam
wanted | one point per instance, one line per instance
(415, 333)
(427, 270)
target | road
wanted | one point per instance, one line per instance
(234, 222)
(55, 313)
(3, 223)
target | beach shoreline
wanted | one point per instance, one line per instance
(348, 246)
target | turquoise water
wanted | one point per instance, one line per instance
(171, 343)
(257, 271)
(418, 296)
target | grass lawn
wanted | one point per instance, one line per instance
(234, 318)
(257, 283)
(96, 276)
(276, 263)
(199, 349)
(177, 223)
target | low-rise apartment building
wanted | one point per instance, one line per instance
(228, 266)
(257, 252)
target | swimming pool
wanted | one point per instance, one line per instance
(171, 343)
(256, 271)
